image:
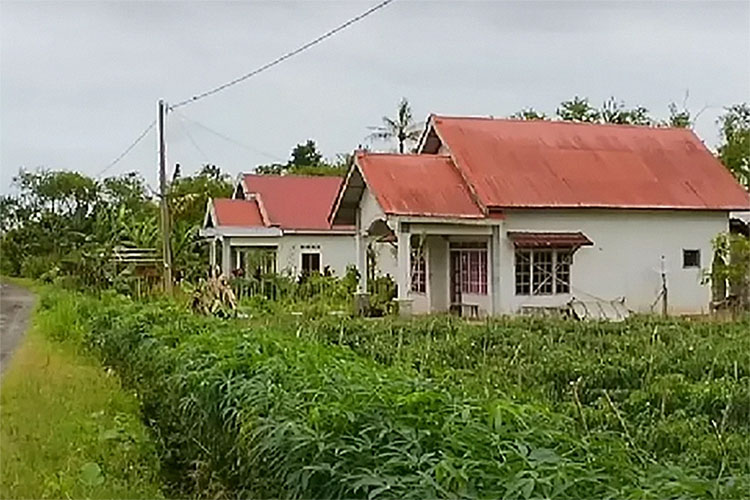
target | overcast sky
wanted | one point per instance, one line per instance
(80, 80)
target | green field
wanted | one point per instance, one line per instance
(68, 429)
(304, 407)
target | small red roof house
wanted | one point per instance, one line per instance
(282, 219)
(498, 216)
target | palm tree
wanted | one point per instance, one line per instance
(402, 128)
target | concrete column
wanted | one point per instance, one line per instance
(360, 249)
(403, 279)
(226, 257)
(211, 255)
(361, 297)
(495, 282)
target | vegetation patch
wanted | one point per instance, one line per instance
(281, 406)
(68, 428)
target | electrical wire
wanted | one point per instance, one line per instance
(181, 121)
(229, 139)
(128, 149)
(240, 79)
(284, 57)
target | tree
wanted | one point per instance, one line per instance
(678, 118)
(403, 129)
(305, 159)
(734, 149)
(613, 111)
(529, 114)
(578, 110)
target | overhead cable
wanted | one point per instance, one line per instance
(128, 149)
(229, 139)
(284, 57)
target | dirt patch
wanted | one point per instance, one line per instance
(16, 303)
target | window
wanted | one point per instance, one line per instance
(691, 258)
(310, 262)
(543, 272)
(472, 260)
(418, 266)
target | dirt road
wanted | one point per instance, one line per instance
(15, 307)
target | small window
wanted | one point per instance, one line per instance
(310, 263)
(691, 258)
(523, 272)
(418, 266)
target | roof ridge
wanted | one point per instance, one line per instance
(295, 176)
(561, 122)
(403, 155)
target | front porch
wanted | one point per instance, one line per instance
(450, 266)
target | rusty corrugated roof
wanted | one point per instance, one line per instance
(528, 239)
(513, 163)
(295, 201)
(420, 185)
(238, 213)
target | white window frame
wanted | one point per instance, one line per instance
(534, 290)
(311, 250)
(422, 248)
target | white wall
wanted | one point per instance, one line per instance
(336, 251)
(369, 208)
(625, 258)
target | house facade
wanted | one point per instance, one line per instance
(503, 216)
(278, 224)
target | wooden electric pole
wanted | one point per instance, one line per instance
(164, 205)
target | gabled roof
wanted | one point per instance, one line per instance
(294, 201)
(236, 213)
(419, 185)
(514, 163)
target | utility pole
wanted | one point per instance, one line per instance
(165, 222)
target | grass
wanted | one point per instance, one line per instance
(68, 429)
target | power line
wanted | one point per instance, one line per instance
(128, 149)
(286, 56)
(181, 121)
(229, 139)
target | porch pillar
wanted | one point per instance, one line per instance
(404, 269)
(226, 257)
(361, 297)
(495, 269)
(211, 256)
(361, 249)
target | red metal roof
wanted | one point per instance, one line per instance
(513, 163)
(526, 239)
(421, 185)
(242, 213)
(295, 201)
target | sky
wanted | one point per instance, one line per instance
(80, 80)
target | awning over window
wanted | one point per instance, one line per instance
(525, 239)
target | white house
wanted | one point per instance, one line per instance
(497, 216)
(283, 222)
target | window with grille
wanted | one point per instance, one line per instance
(473, 267)
(418, 266)
(691, 258)
(543, 272)
(310, 262)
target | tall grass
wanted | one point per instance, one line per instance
(284, 407)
